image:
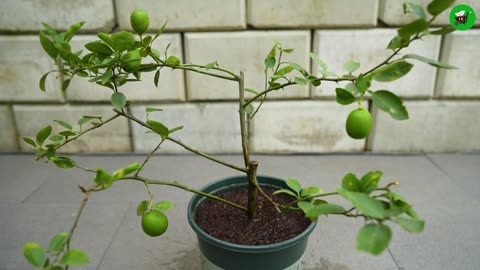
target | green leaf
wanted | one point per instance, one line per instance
(398, 42)
(105, 38)
(444, 30)
(147, 40)
(163, 205)
(29, 141)
(159, 128)
(50, 151)
(118, 100)
(273, 51)
(344, 97)
(57, 242)
(289, 50)
(274, 85)
(173, 61)
(369, 181)
(64, 50)
(50, 30)
(429, 61)
(64, 162)
(284, 71)
(99, 48)
(298, 68)
(72, 29)
(390, 103)
(48, 45)
(364, 203)
(150, 109)
(67, 133)
(65, 84)
(438, 6)
(400, 202)
(350, 182)
(314, 80)
(142, 207)
(56, 138)
(412, 28)
(156, 78)
(363, 83)
(305, 206)
(319, 61)
(41, 83)
(350, 66)
(324, 209)
(122, 41)
(310, 191)
(392, 71)
(147, 67)
(327, 73)
(34, 254)
(294, 185)
(81, 73)
(126, 170)
(106, 76)
(270, 62)
(250, 90)
(63, 124)
(249, 109)
(286, 191)
(87, 118)
(210, 65)
(74, 257)
(301, 81)
(373, 238)
(410, 225)
(43, 134)
(103, 178)
(170, 131)
(350, 87)
(413, 8)
(57, 268)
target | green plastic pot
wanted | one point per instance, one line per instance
(218, 254)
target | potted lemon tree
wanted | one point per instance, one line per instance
(246, 221)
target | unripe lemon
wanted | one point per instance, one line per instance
(154, 223)
(139, 21)
(131, 61)
(359, 123)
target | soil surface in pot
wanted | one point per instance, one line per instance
(232, 225)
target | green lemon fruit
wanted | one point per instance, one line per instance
(131, 61)
(359, 123)
(154, 223)
(139, 21)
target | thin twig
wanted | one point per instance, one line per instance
(131, 117)
(148, 157)
(178, 185)
(81, 133)
(276, 205)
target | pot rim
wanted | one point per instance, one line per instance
(236, 247)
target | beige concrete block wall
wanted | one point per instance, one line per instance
(443, 104)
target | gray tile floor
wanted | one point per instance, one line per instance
(37, 200)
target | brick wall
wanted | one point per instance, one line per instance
(444, 106)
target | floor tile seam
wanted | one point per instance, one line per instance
(394, 259)
(113, 236)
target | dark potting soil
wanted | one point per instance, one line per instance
(232, 225)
